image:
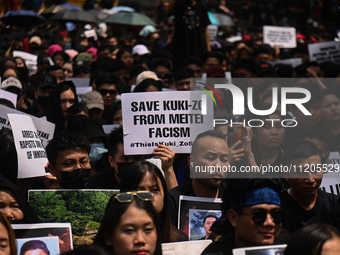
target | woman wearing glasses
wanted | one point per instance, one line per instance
(130, 225)
(143, 175)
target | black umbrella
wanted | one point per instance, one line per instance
(69, 15)
(22, 18)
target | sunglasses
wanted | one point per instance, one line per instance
(127, 197)
(260, 216)
(104, 92)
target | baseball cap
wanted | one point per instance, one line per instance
(81, 63)
(87, 57)
(146, 75)
(140, 49)
(93, 99)
(36, 39)
(11, 82)
(46, 80)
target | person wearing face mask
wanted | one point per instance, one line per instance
(42, 92)
(69, 162)
(94, 132)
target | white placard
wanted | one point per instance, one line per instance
(81, 91)
(325, 51)
(261, 250)
(213, 29)
(9, 96)
(294, 62)
(32, 157)
(234, 39)
(31, 60)
(109, 127)
(91, 33)
(45, 128)
(80, 82)
(331, 180)
(173, 119)
(185, 248)
(284, 37)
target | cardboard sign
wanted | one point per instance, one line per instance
(170, 118)
(30, 60)
(61, 230)
(45, 129)
(184, 248)
(325, 51)
(32, 157)
(331, 180)
(52, 244)
(285, 37)
(213, 29)
(9, 96)
(294, 62)
(80, 82)
(81, 91)
(198, 203)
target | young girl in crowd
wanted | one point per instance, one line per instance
(130, 225)
(146, 176)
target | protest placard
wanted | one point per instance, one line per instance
(200, 222)
(184, 248)
(44, 128)
(284, 37)
(81, 91)
(30, 60)
(32, 157)
(213, 29)
(9, 96)
(154, 118)
(331, 180)
(261, 250)
(61, 230)
(84, 209)
(294, 62)
(80, 82)
(51, 244)
(198, 203)
(325, 51)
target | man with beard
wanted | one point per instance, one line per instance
(68, 156)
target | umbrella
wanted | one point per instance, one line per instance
(129, 18)
(71, 15)
(224, 20)
(70, 6)
(22, 18)
(52, 10)
(122, 8)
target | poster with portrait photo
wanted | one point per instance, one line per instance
(199, 203)
(41, 245)
(197, 220)
(60, 230)
(261, 250)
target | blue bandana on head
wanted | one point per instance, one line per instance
(263, 195)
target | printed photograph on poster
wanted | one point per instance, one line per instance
(39, 245)
(60, 230)
(200, 222)
(194, 203)
(261, 250)
(84, 209)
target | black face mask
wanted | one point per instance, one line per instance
(75, 179)
(42, 101)
(122, 169)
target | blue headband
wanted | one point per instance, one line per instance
(263, 195)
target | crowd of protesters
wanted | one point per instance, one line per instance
(289, 209)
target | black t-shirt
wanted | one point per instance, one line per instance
(184, 189)
(104, 179)
(224, 247)
(326, 210)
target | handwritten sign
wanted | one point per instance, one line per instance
(325, 51)
(285, 37)
(32, 156)
(173, 119)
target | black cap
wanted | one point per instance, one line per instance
(47, 80)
